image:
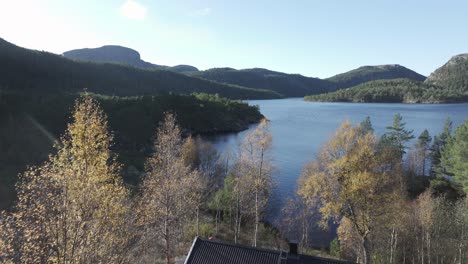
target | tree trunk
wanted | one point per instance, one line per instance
(237, 224)
(169, 257)
(217, 217)
(391, 245)
(365, 251)
(198, 221)
(256, 219)
(428, 248)
(424, 163)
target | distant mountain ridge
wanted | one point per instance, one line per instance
(120, 55)
(30, 71)
(124, 76)
(364, 74)
(289, 85)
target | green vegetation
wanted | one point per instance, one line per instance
(397, 136)
(448, 84)
(32, 71)
(288, 85)
(370, 73)
(393, 91)
(455, 156)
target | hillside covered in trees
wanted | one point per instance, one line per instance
(288, 85)
(447, 84)
(33, 71)
(393, 91)
(370, 73)
(453, 75)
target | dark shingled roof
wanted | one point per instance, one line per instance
(205, 251)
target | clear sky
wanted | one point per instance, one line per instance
(310, 37)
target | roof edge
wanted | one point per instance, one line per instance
(189, 255)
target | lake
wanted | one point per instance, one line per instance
(300, 128)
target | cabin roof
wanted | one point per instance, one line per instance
(206, 251)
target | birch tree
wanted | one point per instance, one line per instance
(74, 208)
(256, 168)
(350, 184)
(167, 189)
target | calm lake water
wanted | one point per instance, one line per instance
(300, 128)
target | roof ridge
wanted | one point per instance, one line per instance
(226, 243)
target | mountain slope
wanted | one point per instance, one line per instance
(121, 55)
(452, 75)
(370, 73)
(34, 71)
(392, 91)
(289, 85)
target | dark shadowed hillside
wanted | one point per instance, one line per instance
(35, 71)
(289, 85)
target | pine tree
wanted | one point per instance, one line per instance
(438, 146)
(397, 135)
(423, 147)
(366, 126)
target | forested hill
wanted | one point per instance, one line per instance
(393, 91)
(370, 73)
(453, 75)
(121, 55)
(447, 84)
(35, 71)
(288, 85)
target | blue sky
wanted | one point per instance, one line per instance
(313, 38)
